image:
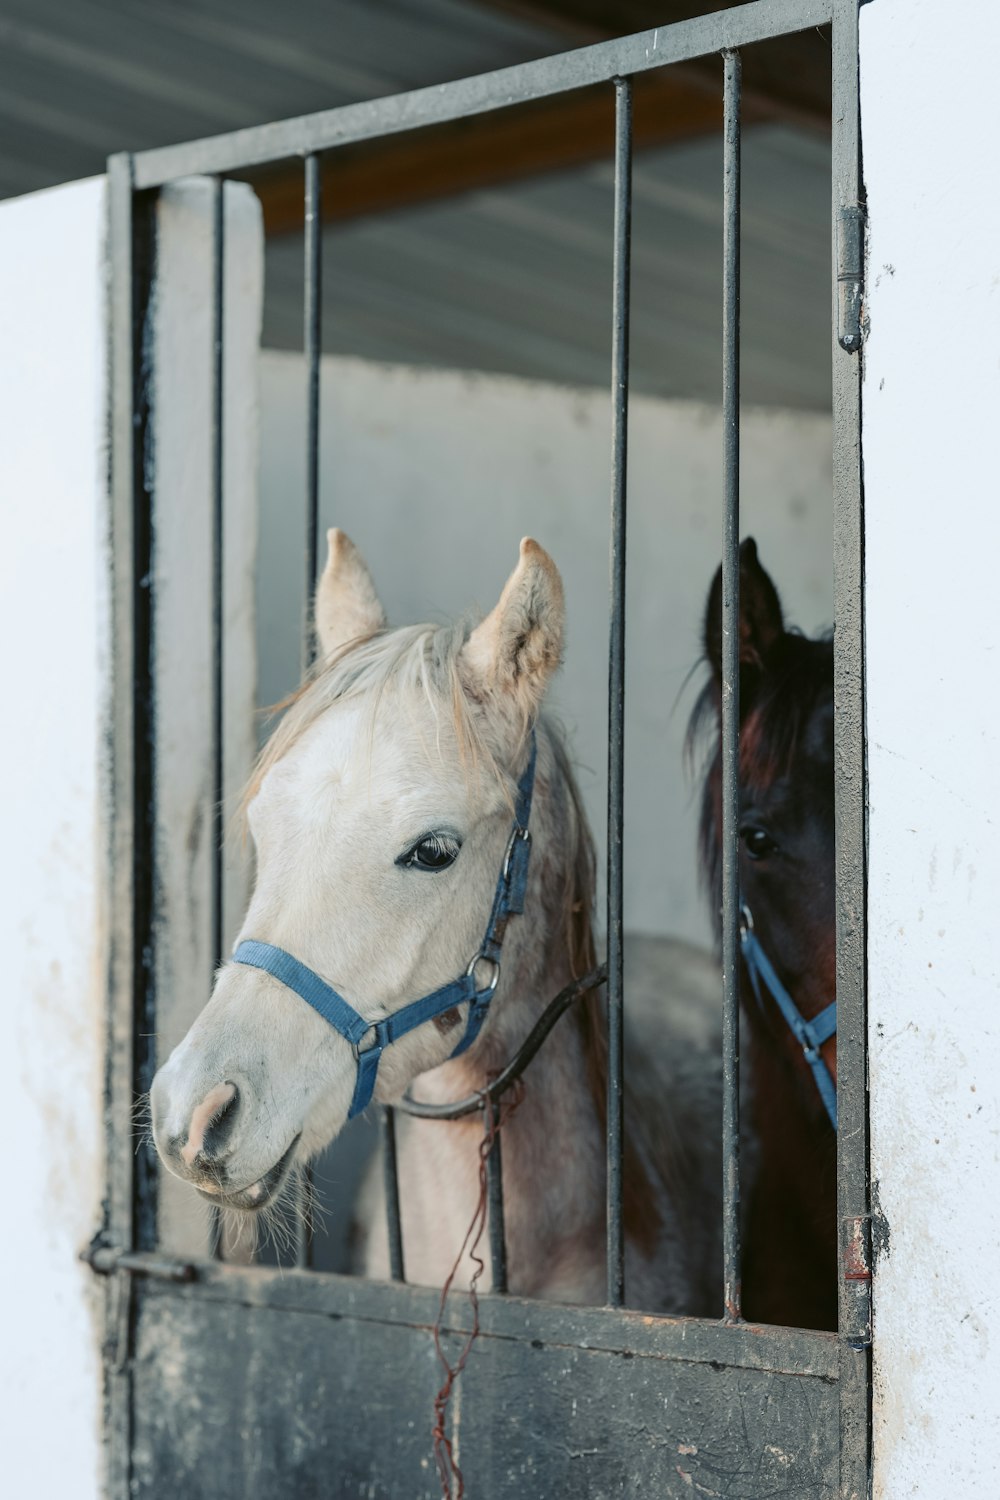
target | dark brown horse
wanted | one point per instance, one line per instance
(786, 831)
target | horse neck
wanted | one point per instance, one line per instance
(790, 1238)
(805, 1155)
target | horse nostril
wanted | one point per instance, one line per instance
(220, 1127)
(211, 1122)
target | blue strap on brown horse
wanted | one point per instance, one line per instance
(508, 901)
(810, 1035)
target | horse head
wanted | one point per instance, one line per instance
(380, 811)
(786, 818)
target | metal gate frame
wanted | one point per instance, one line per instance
(683, 1360)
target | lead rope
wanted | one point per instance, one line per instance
(449, 1473)
(510, 1083)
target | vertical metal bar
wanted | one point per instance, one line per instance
(216, 1246)
(145, 1207)
(494, 1188)
(312, 316)
(312, 342)
(616, 687)
(122, 954)
(397, 1267)
(731, 691)
(850, 787)
(124, 943)
(218, 644)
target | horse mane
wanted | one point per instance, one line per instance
(578, 922)
(778, 705)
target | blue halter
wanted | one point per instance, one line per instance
(810, 1035)
(507, 902)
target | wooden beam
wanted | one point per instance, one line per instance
(787, 79)
(791, 73)
(486, 151)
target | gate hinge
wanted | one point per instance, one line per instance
(856, 1279)
(107, 1259)
(850, 275)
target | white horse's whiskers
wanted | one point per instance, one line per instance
(142, 1123)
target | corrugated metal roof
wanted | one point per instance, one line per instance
(514, 280)
(80, 79)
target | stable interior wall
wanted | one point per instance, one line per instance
(437, 475)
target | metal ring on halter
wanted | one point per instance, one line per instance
(519, 834)
(522, 1057)
(376, 1039)
(746, 919)
(482, 958)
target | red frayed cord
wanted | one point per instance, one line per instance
(449, 1473)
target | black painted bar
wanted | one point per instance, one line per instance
(397, 1266)
(616, 687)
(218, 643)
(745, 1346)
(218, 608)
(494, 1190)
(312, 343)
(311, 329)
(731, 693)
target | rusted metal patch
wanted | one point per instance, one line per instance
(857, 1252)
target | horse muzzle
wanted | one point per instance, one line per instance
(215, 1142)
(258, 1194)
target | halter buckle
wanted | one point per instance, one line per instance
(518, 835)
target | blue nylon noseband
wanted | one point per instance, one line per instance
(810, 1035)
(508, 901)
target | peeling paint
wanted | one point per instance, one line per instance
(880, 1228)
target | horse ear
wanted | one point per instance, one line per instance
(346, 605)
(761, 621)
(513, 653)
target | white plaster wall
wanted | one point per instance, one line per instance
(437, 475)
(932, 539)
(53, 614)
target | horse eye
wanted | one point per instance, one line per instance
(757, 843)
(436, 851)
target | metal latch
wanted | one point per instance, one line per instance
(119, 1266)
(107, 1259)
(850, 275)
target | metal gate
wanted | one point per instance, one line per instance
(244, 1381)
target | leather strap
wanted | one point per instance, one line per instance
(508, 901)
(810, 1035)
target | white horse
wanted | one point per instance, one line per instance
(381, 812)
